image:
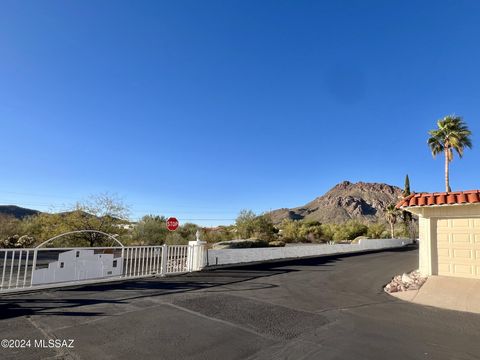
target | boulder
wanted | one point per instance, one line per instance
(407, 279)
(411, 281)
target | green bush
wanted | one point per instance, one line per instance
(346, 231)
(249, 225)
(376, 231)
(221, 233)
(16, 241)
(175, 238)
(301, 231)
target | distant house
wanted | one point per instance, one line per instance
(129, 226)
(78, 265)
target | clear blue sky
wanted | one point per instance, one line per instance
(201, 108)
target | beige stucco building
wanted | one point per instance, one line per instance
(449, 232)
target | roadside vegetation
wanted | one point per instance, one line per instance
(108, 214)
(259, 230)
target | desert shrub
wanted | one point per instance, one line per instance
(175, 238)
(328, 231)
(245, 224)
(13, 233)
(220, 233)
(188, 231)
(264, 229)
(301, 231)
(25, 241)
(376, 231)
(10, 241)
(9, 226)
(249, 225)
(150, 230)
(16, 241)
(311, 231)
(346, 231)
(291, 230)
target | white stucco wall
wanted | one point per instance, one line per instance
(237, 256)
(70, 267)
(425, 245)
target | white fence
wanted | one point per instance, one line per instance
(26, 269)
(237, 256)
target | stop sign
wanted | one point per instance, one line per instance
(172, 223)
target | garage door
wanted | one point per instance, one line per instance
(458, 247)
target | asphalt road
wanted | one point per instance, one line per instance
(322, 308)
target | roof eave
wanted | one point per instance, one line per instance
(418, 209)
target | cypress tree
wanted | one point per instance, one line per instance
(406, 189)
(407, 216)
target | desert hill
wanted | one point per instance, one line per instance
(361, 201)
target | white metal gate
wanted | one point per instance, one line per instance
(35, 268)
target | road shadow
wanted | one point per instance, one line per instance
(29, 307)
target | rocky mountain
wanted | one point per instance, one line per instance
(17, 211)
(345, 201)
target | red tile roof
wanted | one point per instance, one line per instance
(444, 198)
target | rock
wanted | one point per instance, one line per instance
(406, 279)
(412, 281)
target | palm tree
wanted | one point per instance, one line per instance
(391, 214)
(452, 134)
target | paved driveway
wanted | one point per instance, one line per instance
(322, 308)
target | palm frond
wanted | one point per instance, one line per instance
(452, 133)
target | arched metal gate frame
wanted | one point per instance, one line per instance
(78, 232)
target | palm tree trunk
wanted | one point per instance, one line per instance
(447, 182)
(392, 230)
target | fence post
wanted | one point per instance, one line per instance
(196, 258)
(34, 265)
(164, 264)
(123, 263)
